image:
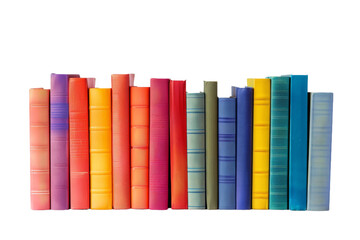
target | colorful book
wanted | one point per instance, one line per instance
(261, 138)
(178, 146)
(211, 129)
(159, 144)
(279, 137)
(79, 143)
(298, 141)
(139, 129)
(100, 148)
(195, 117)
(120, 84)
(320, 135)
(39, 148)
(59, 141)
(227, 152)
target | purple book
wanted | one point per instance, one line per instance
(59, 141)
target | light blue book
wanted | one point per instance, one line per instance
(195, 118)
(320, 135)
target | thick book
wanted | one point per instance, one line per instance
(195, 117)
(120, 84)
(279, 146)
(59, 141)
(159, 144)
(100, 148)
(298, 142)
(139, 132)
(320, 135)
(178, 148)
(39, 148)
(261, 145)
(79, 143)
(211, 129)
(227, 152)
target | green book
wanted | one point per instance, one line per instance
(211, 132)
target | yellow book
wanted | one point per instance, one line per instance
(261, 141)
(100, 148)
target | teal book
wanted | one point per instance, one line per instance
(279, 146)
(195, 119)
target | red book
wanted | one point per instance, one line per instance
(178, 145)
(79, 143)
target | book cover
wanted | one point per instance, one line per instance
(100, 148)
(178, 145)
(39, 106)
(195, 117)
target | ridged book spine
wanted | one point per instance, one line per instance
(195, 112)
(227, 152)
(59, 141)
(39, 148)
(178, 146)
(211, 130)
(261, 145)
(279, 137)
(79, 143)
(139, 132)
(298, 141)
(120, 84)
(100, 148)
(159, 144)
(320, 135)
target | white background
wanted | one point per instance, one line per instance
(227, 41)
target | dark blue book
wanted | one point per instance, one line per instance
(227, 152)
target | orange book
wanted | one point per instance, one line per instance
(139, 122)
(39, 149)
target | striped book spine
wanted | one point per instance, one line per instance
(195, 117)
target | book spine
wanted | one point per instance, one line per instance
(39, 148)
(320, 135)
(100, 148)
(195, 117)
(211, 129)
(261, 139)
(279, 137)
(139, 129)
(59, 141)
(244, 146)
(178, 147)
(79, 143)
(159, 144)
(121, 140)
(227, 152)
(298, 142)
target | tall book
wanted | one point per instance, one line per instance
(39, 148)
(227, 152)
(79, 143)
(320, 135)
(211, 129)
(139, 129)
(261, 138)
(100, 148)
(178, 146)
(159, 144)
(298, 141)
(195, 117)
(59, 140)
(120, 84)
(279, 137)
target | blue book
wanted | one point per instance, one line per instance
(298, 141)
(320, 134)
(279, 137)
(227, 152)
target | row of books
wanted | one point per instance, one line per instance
(268, 146)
